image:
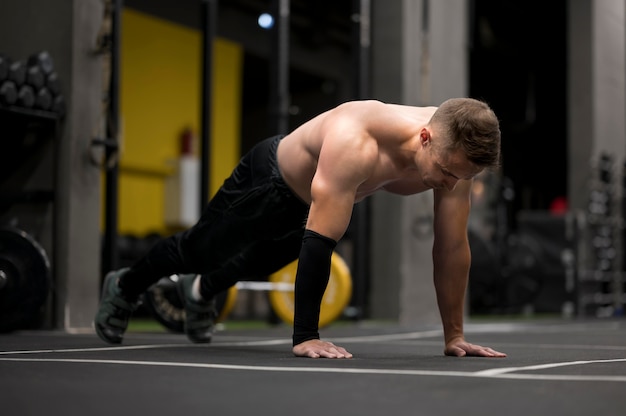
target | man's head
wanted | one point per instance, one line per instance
(471, 126)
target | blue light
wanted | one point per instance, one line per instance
(266, 21)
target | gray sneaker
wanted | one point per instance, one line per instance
(115, 310)
(199, 316)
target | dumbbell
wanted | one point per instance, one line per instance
(13, 93)
(43, 60)
(45, 80)
(43, 99)
(53, 83)
(40, 67)
(8, 93)
(26, 96)
(35, 77)
(17, 72)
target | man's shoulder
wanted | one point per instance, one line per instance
(372, 111)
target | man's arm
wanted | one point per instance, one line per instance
(451, 262)
(344, 163)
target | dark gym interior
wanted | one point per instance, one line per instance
(97, 98)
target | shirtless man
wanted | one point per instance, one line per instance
(292, 198)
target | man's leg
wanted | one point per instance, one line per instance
(262, 259)
(196, 250)
(122, 288)
(252, 206)
(193, 251)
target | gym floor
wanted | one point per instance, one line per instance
(554, 367)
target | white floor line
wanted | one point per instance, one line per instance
(263, 342)
(478, 374)
(404, 336)
(504, 370)
(97, 349)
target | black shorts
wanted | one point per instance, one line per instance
(252, 227)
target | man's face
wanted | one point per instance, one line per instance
(447, 168)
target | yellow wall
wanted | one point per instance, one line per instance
(160, 97)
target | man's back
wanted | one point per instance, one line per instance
(375, 139)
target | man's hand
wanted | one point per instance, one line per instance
(315, 348)
(459, 347)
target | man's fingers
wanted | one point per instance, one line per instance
(336, 352)
(465, 348)
(329, 350)
(485, 352)
(488, 352)
(323, 349)
(493, 353)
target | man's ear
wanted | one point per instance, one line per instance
(425, 136)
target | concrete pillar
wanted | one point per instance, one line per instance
(597, 106)
(70, 230)
(419, 51)
(597, 101)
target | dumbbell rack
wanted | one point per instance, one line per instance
(31, 83)
(601, 281)
(31, 106)
(28, 157)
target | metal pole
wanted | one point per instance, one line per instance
(209, 28)
(279, 69)
(360, 223)
(361, 40)
(110, 254)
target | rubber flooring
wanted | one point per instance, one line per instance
(556, 367)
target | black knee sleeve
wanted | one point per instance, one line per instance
(311, 281)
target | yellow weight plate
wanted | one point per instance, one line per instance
(229, 303)
(336, 298)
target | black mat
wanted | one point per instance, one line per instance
(567, 367)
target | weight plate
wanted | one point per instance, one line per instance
(336, 298)
(25, 272)
(165, 305)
